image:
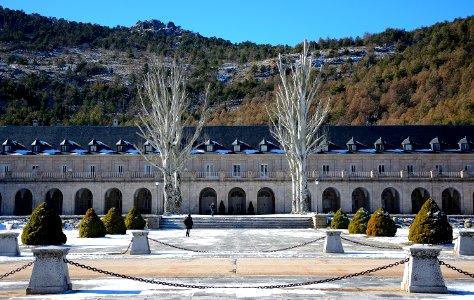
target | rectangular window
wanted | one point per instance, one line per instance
(408, 147)
(263, 148)
(148, 169)
(353, 168)
(410, 169)
(93, 148)
(209, 148)
(64, 169)
(8, 148)
(236, 171)
(263, 170)
(35, 167)
(439, 169)
(381, 168)
(7, 168)
(92, 169)
(209, 168)
(120, 168)
(325, 169)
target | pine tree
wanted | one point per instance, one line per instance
(43, 228)
(91, 225)
(114, 222)
(359, 222)
(381, 224)
(431, 225)
(134, 220)
(340, 220)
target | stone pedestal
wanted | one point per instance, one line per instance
(9, 243)
(153, 222)
(140, 242)
(422, 272)
(50, 273)
(465, 243)
(319, 221)
(333, 243)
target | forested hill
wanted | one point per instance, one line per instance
(57, 71)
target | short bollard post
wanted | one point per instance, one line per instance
(465, 243)
(333, 243)
(140, 242)
(422, 272)
(9, 244)
(50, 273)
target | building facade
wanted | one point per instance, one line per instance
(239, 168)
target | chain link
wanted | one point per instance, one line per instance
(372, 245)
(276, 286)
(456, 269)
(123, 252)
(264, 251)
(17, 270)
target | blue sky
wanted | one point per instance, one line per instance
(260, 21)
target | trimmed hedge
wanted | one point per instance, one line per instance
(431, 226)
(45, 227)
(134, 220)
(359, 222)
(381, 224)
(340, 220)
(91, 225)
(114, 222)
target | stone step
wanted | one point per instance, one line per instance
(217, 222)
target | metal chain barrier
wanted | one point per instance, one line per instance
(372, 245)
(17, 270)
(264, 251)
(123, 252)
(275, 286)
(456, 269)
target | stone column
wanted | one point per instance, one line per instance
(153, 222)
(333, 243)
(319, 221)
(9, 244)
(465, 243)
(140, 242)
(50, 273)
(422, 272)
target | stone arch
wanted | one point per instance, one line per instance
(418, 198)
(206, 197)
(237, 203)
(360, 198)
(391, 200)
(54, 199)
(113, 198)
(331, 200)
(451, 201)
(23, 202)
(82, 201)
(142, 200)
(265, 201)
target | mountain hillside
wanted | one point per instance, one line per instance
(55, 71)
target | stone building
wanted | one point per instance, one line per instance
(396, 167)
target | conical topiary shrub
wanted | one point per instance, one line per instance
(381, 224)
(114, 223)
(134, 220)
(340, 220)
(359, 222)
(431, 226)
(43, 228)
(91, 225)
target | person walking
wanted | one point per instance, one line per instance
(188, 222)
(213, 209)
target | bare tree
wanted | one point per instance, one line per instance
(165, 103)
(297, 116)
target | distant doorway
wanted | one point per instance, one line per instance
(113, 198)
(82, 201)
(360, 198)
(206, 197)
(142, 201)
(331, 200)
(418, 198)
(23, 202)
(265, 202)
(54, 200)
(451, 201)
(236, 202)
(391, 201)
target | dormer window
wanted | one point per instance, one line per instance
(236, 148)
(209, 148)
(352, 148)
(36, 148)
(407, 147)
(463, 144)
(435, 146)
(7, 148)
(325, 147)
(263, 148)
(465, 147)
(148, 148)
(93, 148)
(121, 148)
(379, 147)
(65, 148)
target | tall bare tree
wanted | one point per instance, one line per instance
(297, 116)
(165, 103)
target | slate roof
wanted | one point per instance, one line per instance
(338, 136)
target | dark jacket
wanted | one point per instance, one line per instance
(188, 221)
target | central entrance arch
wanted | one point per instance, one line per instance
(206, 197)
(237, 202)
(82, 201)
(418, 198)
(451, 200)
(391, 201)
(54, 199)
(265, 202)
(23, 202)
(113, 198)
(142, 200)
(360, 198)
(331, 200)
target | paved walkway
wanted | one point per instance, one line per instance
(235, 258)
